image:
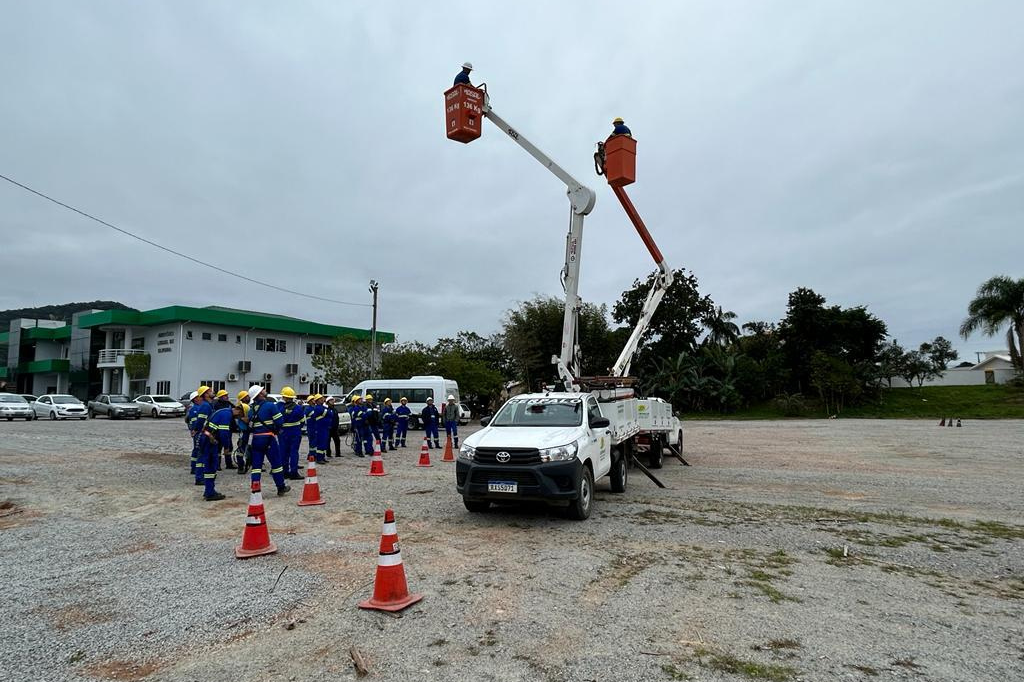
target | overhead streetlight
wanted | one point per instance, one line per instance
(374, 286)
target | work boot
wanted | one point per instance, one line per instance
(437, 445)
(214, 497)
(282, 491)
(199, 481)
(294, 476)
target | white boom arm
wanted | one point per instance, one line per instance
(581, 199)
(654, 296)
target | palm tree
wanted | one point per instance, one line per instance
(1000, 300)
(721, 329)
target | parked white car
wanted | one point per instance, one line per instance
(13, 407)
(59, 406)
(157, 406)
(464, 413)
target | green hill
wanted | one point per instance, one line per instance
(60, 311)
(930, 402)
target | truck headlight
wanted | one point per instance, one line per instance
(467, 453)
(563, 453)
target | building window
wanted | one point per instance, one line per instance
(215, 385)
(271, 345)
(188, 334)
(238, 338)
(317, 387)
(139, 343)
(317, 348)
(163, 387)
(207, 336)
(222, 337)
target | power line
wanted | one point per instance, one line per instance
(177, 253)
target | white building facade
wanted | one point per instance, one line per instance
(995, 368)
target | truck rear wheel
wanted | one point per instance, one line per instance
(656, 455)
(579, 509)
(620, 473)
(476, 506)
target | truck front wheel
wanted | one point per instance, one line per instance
(579, 509)
(476, 506)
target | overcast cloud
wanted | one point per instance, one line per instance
(871, 151)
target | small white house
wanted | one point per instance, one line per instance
(995, 368)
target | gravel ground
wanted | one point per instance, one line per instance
(803, 550)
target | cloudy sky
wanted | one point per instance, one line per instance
(872, 151)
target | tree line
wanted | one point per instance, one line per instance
(694, 353)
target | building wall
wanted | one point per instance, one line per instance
(962, 376)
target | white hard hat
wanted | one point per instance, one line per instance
(467, 65)
(192, 395)
(254, 391)
(451, 397)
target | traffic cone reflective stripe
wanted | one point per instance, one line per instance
(424, 455)
(256, 536)
(376, 461)
(390, 589)
(448, 455)
(311, 489)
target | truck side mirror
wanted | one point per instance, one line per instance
(485, 421)
(600, 423)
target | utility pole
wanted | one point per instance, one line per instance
(373, 331)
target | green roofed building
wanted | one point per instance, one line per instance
(169, 351)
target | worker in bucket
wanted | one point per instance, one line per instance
(402, 414)
(265, 422)
(430, 416)
(463, 76)
(216, 439)
(387, 424)
(291, 433)
(451, 420)
(620, 127)
(355, 411)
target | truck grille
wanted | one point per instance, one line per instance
(517, 455)
(520, 477)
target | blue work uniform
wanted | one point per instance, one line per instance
(430, 419)
(215, 438)
(199, 418)
(371, 427)
(402, 414)
(387, 421)
(462, 77)
(265, 422)
(355, 411)
(190, 422)
(291, 436)
(307, 411)
(621, 129)
(321, 427)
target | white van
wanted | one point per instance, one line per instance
(416, 390)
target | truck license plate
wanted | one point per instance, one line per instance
(502, 487)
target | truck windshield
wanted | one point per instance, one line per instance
(540, 412)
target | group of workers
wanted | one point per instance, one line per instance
(270, 431)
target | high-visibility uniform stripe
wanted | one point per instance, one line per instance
(277, 470)
(210, 475)
(390, 559)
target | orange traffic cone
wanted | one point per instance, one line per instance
(376, 462)
(448, 455)
(424, 455)
(311, 490)
(256, 537)
(943, 422)
(390, 591)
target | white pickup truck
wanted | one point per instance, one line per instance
(551, 447)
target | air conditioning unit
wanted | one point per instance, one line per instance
(268, 376)
(232, 376)
(244, 366)
(303, 378)
(291, 369)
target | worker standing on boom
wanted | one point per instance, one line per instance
(463, 76)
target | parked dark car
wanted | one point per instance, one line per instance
(115, 406)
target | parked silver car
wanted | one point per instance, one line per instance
(13, 406)
(160, 406)
(59, 406)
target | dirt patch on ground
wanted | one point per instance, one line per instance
(13, 515)
(122, 670)
(166, 458)
(72, 617)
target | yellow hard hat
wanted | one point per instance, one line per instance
(201, 391)
(369, 396)
(404, 399)
(387, 401)
(617, 120)
(288, 392)
(221, 394)
(356, 398)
